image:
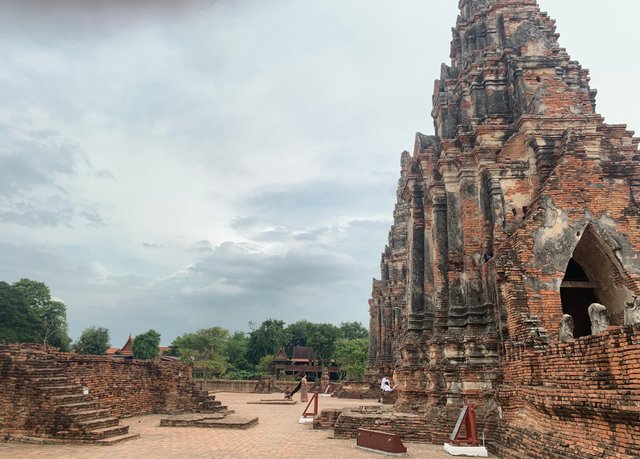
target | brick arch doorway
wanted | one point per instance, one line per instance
(577, 294)
(593, 275)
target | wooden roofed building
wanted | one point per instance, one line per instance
(303, 360)
(125, 352)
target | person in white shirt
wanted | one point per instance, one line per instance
(386, 388)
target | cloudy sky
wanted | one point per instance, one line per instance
(183, 164)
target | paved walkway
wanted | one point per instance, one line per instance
(277, 435)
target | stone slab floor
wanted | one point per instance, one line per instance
(277, 435)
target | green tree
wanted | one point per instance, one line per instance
(298, 334)
(266, 339)
(52, 314)
(236, 352)
(93, 340)
(204, 349)
(147, 345)
(18, 322)
(352, 356)
(353, 330)
(322, 338)
(266, 365)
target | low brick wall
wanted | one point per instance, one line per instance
(582, 398)
(255, 386)
(132, 387)
(573, 400)
(433, 425)
(230, 385)
(326, 419)
(19, 399)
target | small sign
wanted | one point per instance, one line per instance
(468, 417)
(456, 429)
(85, 390)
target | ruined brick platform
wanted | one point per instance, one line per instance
(47, 396)
(275, 401)
(212, 421)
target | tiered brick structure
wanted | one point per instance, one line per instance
(521, 211)
(53, 395)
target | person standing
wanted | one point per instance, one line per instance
(384, 383)
(386, 389)
(304, 389)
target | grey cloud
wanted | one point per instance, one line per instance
(256, 285)
(83, 13)
(243, 223)
(30, 159)
(102, 174)
(53, 213)
(201, 246)
(149, 245)
(310, 235)
(92, 217)
(311, 202)
(33, 166)
(50, 211)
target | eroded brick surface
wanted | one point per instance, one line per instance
(51, 394)
(523, 207)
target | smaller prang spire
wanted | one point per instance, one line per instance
(469, 8)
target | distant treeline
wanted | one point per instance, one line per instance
(28, 314)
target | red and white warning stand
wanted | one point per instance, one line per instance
(466, 444)
(307, 416)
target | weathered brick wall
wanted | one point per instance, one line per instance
(433, 425)
(125, 388)
(132, 387)
(573, 400)
(326, 419)
(18, 397)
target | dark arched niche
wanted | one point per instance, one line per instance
(593, 275)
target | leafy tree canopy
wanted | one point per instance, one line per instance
(204, 349)
(147, 345)
(267, 339)
(93, 341)
(322, 338)
(298, 334)
(52, 314)
(236, 352)
(353, 330)
(31, 315)
(352, 356)
(18, 322)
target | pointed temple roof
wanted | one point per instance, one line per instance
(127, 349)
(281, 356)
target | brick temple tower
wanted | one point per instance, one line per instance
(512, 220)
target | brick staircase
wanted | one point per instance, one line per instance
(207, 403)
(65, 412)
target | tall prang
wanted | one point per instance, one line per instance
(518, 215)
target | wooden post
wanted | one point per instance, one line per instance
(314, 399)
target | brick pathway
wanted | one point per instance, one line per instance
(277, 435)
